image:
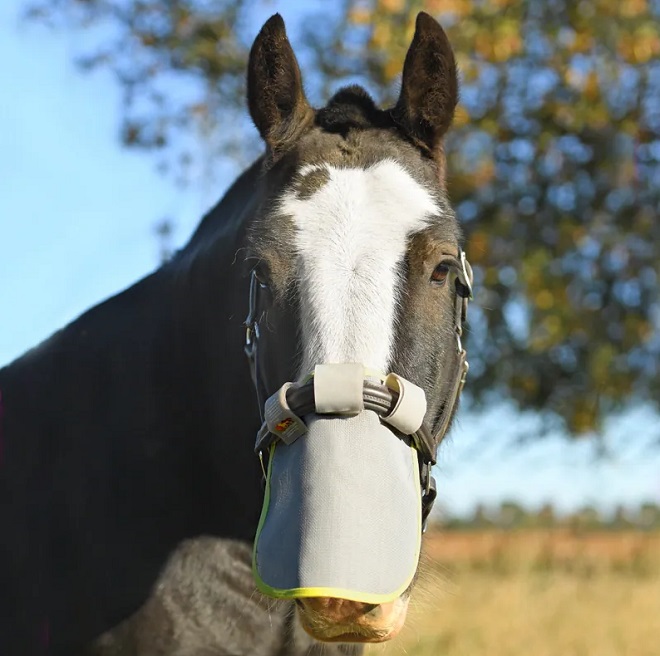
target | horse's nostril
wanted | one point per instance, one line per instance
(339, 610)
(343, 620)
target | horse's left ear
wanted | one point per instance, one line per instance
(429, 87)
(276, 99)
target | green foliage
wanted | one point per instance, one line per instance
(554, 161)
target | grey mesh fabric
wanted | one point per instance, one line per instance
(341, 514)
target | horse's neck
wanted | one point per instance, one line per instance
(161, 359)
(124, 433)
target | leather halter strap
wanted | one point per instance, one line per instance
(377, 397)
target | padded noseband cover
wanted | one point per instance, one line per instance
(408, 413)
(338, 388)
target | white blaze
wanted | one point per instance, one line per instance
(351, 235)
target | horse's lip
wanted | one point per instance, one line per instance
(358, 637)
(355, 636)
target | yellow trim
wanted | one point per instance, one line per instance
(339, 593)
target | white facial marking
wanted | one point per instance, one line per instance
(351, 235)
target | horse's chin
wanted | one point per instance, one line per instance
(338, 620)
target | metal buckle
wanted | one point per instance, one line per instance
(466, 369)
(464, 375)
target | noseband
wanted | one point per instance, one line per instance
(395, 400)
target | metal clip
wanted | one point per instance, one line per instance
(458, 339)
(466, 275)
(461, 384)
(427, 486)
(466, 369)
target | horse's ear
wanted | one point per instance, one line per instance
(276, 99)
(429, 87)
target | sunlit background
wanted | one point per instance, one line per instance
(122, 122)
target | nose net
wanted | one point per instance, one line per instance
(341, 514)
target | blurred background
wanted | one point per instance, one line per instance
(123, 121)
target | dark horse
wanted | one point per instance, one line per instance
(130, 492)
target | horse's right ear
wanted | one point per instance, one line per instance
(276, 99)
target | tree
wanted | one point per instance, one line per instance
(554, 160)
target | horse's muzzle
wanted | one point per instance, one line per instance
(339, 620)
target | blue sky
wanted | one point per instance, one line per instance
(76, 225)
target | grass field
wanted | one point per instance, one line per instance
(535, 593)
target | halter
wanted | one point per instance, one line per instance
(281, 413)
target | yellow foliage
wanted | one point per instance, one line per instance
(584, 42)
(528, 383)
(381, 34)
(646, 43)
(483, 44)
(601, 361)
(592, 87)
(584, 418)
(477, 247)
(598, 116)
(544, 300)
(458, 8)
(633, 8)
(553, 327)
(485, 173)
(359, 15)
(508, 41)
(461, 117)
(392, 5)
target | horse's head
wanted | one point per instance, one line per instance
(359, 273)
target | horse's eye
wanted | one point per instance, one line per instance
(440, 273)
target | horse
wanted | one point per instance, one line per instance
(131, 485)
